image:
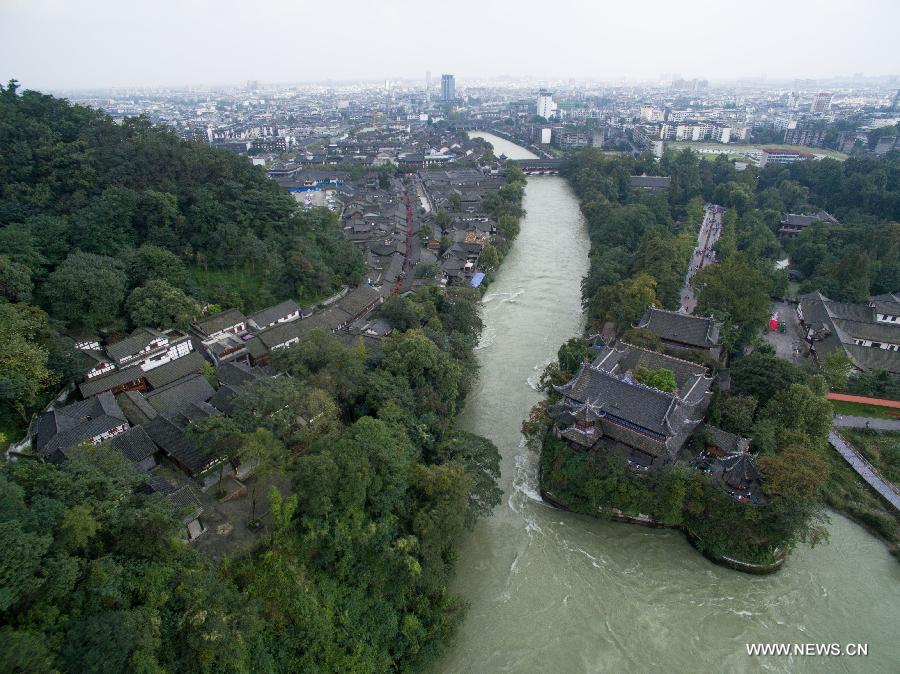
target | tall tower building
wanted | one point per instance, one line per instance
(428, 86)
(546, 107)
(448, 88)
(822, 104)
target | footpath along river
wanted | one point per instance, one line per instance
(551, 591)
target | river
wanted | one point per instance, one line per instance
(551, 591)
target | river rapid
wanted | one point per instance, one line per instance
(551, 591)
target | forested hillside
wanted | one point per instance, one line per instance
(352, 576)
(861, 256)
(91, 209)
(104, 226)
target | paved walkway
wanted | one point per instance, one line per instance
(847, 421)
(710, 231)
(865, 470)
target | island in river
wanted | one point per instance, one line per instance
(550, 590)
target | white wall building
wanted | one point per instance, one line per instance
(546, 107)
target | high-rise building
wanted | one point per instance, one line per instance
(822, 104)
(448, 88)
(546, 108)
(428, 86)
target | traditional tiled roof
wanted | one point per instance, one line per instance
(65, 427)
(136, 408)
(691, 379)
(183, 496)
(172, 440)
(138, 340)
(805, 219)
(739, 470)
(727, 442)
(272, 314)
(224, 397)
(277, 335)
(356, 301)
(175, 369)
(237, 374)
(835, 326)
(108, 382)
(888, 303)
(623, 398)
(134, 444)
(672, 326)
(172, 398)
(221, 321)
(869, 358)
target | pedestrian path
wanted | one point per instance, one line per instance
(865, 470)
(848, 421)
(710, 231)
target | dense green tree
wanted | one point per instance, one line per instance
(78, 182)
(267, 456)
(297, 414)
(480, 459)
(400, 312)
(86, 290)
(761, 376)
(219, 438)
(488, 258)
(836, 367)
(158, 304)
(150, 262)
(323, 360)
(738, 294)
(24, 371)
(793, 416)
(104, 225)
(795, 473)
(572, 354)
(625, 302)
(15, 281)
(735, 413)
(660, 378)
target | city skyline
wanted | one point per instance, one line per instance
(55, 45)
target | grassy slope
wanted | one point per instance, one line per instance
(882, 450)
(861, 410)
(846, 492)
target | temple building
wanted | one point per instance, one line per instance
(683, 331)
(727, 460)
(604, 408)
(868, 333)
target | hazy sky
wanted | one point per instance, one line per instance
(97, 43)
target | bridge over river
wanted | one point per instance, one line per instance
(539, 167)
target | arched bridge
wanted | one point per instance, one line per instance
(539, 167)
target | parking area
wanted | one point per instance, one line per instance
(789, 344)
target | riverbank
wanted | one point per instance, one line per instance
(552, 590)
(849, 495)
(647, 521)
